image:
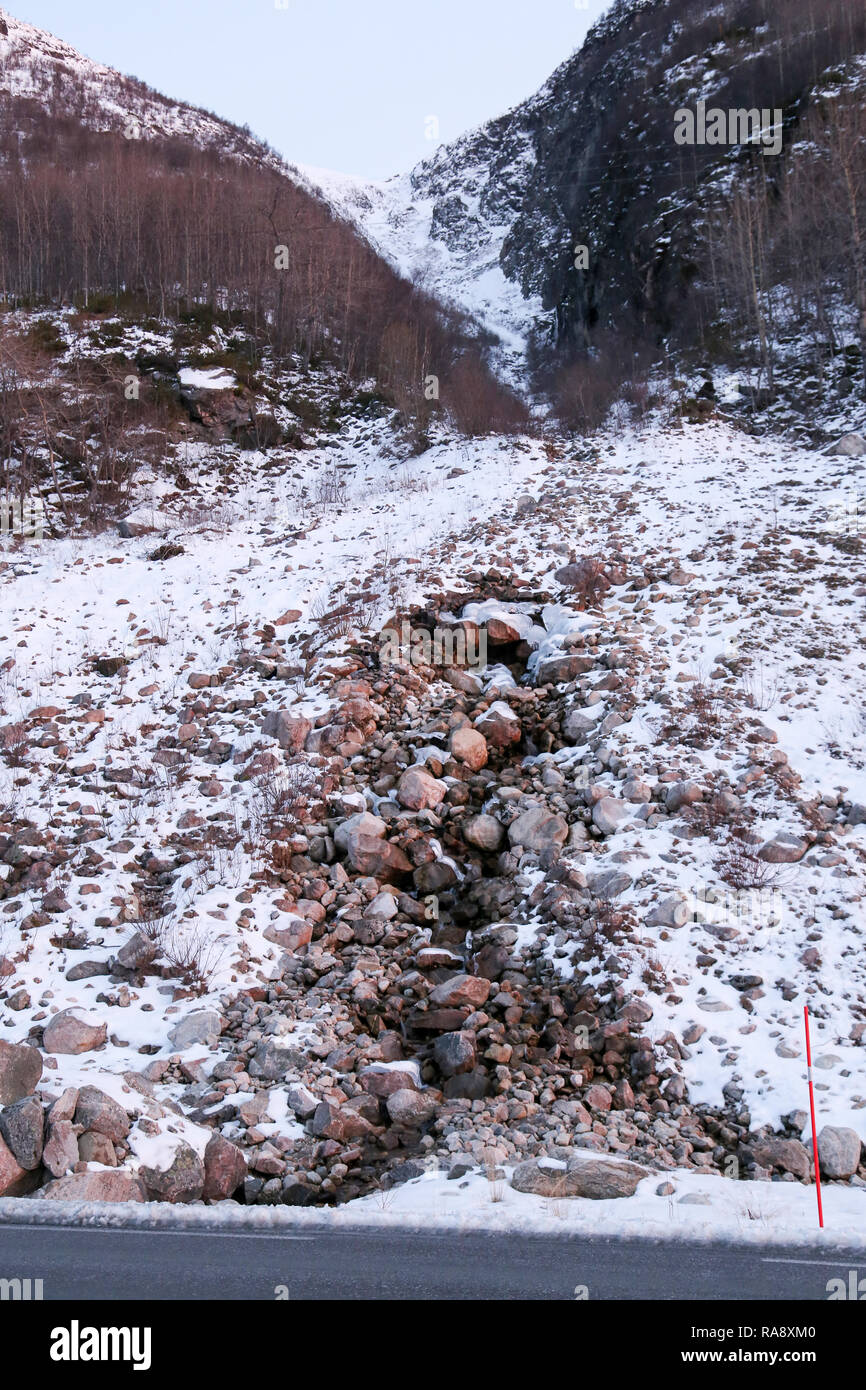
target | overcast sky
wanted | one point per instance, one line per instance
(342, 84)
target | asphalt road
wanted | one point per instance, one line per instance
(91, 1264)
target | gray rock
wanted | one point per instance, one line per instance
(608, 814)
(22, 1126)
(411, 1109)
(852, 446)
(597, 1178)
(455, 1053)
(201, 1028)
(137, 952)
(182, 1181)
(20, 1071)
(484, 832)
(538, 829)
(271, 1062)
(838, 1152)
(673, 912)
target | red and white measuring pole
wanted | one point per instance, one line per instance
(812, 1108)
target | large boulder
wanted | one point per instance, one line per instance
(852, 446)
(411, 1109)
(361, 824)
(785, 849)
(418, 791)
(101, 1186)
(339, 1123)
(608, 814)
(197, 1029)
(379, 859)
(460, 990)
(838, 1152)
(538, 829)
(585, 1175)
(67, 1034)
(22, 1126)
(182, 1181)
(484, 832)
(61, 1148)
(556, 669)
(788, 1155)
(470, 747)
(499, 725)
(680, 794)
(225, 1169)
(20, 1071)
(290, 730)
(455, 1053)
(96, 1111)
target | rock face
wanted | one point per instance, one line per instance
(838, 1152)
(182, 1181)
(66, 1033)
(20, 1071)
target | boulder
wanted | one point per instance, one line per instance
(382, 1082)
(577, 725)
(272, 1060)
(460, 990)
(96, 1111)
(22, 1127)
(377, 858)
(838, 1152)
(290, 730)
(20, 1071)
(196, 1029)
(608, 814)
(597, 1178)
(182, 1181)
(851, 446)
(418, 791)
(499, 725)
(411, 1109)
(61, 1148)
(361, 824)
(538, 829)
(68, 1035)
(100, 1186)
(484, 832)
(455, 1053)
(225, 1169)
(468, 746)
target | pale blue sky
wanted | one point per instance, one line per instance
(343, 84)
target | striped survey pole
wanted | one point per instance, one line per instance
(812, 1108)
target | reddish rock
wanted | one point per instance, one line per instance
(103, 1186)
(418, 791)
(20, 1071)
(461, 989)
(68, 1034)
(470, 747)
(224, 1169)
